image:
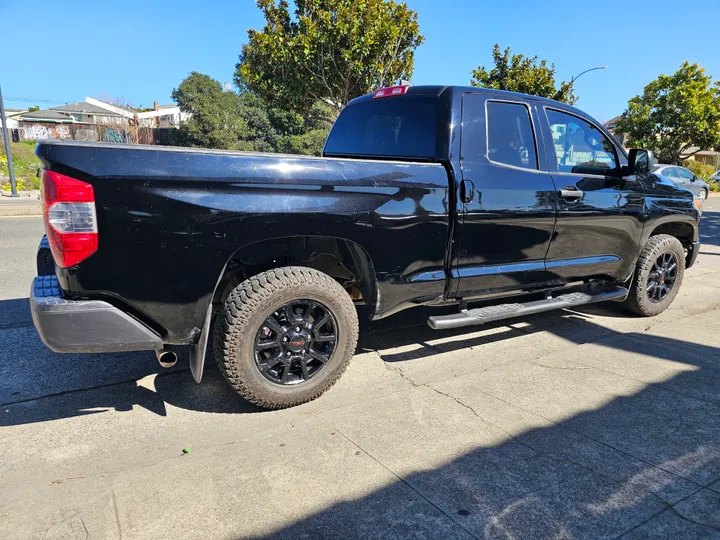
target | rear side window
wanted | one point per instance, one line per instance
(510, 138)
(402, 127)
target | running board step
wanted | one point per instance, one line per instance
(508, 311)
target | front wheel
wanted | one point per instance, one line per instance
(285, 336)
(658, 276)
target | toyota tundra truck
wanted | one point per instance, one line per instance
(423, 196)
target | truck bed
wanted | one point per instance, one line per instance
(170, 220)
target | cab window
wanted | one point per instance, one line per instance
(684, 173)
(510, 138)
(580, 147)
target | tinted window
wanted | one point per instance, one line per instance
(510, 135)
(684, 173)
(402, 127)
(580, 147)
(669, 171)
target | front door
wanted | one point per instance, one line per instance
(507, 208)
(600, 213)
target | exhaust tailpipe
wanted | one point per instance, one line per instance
(166, 357)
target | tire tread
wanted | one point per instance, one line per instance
(253, 294)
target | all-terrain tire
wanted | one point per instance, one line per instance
(244, 312)
(638, 301)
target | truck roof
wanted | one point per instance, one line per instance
(437, 90)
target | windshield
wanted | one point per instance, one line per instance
(396, 127)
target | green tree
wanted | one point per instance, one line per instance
(519, 73)
(223, 119)
(327, 50)
(34, 108)
(675, 113)
(215, 120)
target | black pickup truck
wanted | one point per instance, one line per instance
(425, 195)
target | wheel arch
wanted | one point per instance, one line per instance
(684, 228)
(344, 260)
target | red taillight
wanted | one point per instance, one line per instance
(390, 91)
(70, 222)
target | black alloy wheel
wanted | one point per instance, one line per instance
(662, 277)
(296, 342)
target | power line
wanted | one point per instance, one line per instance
(33, 100)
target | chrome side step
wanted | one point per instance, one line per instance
(508, 311)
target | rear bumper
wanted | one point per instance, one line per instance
(85, 325)
(693, 254)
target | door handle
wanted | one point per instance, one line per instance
(571, 193)
(467, 189)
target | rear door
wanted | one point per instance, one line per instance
(600, 213)
(507, 207)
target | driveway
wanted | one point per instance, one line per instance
(574, 424)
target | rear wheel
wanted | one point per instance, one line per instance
(658, 276)
(285, 336)
(703, 194)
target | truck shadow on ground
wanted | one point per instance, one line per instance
(92, 384)
(643, 459)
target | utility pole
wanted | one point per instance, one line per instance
(11, 171)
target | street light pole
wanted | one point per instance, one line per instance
(584, 72)
(11, 171)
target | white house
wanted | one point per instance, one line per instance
(160, 116)
(11, 117)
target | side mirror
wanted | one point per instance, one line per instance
(641, 161)
(694, 178)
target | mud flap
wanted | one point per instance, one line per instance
(197, 351)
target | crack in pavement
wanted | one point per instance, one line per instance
(508, 433)
(116, 511)
(672, 509)
(563, 368)
(406, 483)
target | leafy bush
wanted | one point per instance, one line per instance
(19, 182)
(714, 186)
(699, 169)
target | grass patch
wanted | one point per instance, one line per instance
(25, 165)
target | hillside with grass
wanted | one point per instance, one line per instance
(25, 164)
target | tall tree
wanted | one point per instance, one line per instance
(328, 50)
(224, 119)
(215, 120)
(519, 73)
(674, 114)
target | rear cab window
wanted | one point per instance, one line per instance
(500, 131)
(398, 127)
(510, 135)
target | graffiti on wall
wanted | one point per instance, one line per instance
(89, 135)
(36, 131)
(63, 132)
(94, 133)
(111, 134)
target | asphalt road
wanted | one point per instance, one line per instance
(588, 423)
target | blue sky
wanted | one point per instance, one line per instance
(62, 51)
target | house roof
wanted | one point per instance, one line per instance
(84, 108)
(611, 123)
(46, 116)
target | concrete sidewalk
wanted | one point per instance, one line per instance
(573, 424)
(27, 204)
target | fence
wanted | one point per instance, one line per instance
(28, 131)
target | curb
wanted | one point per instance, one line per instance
(21, 209)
